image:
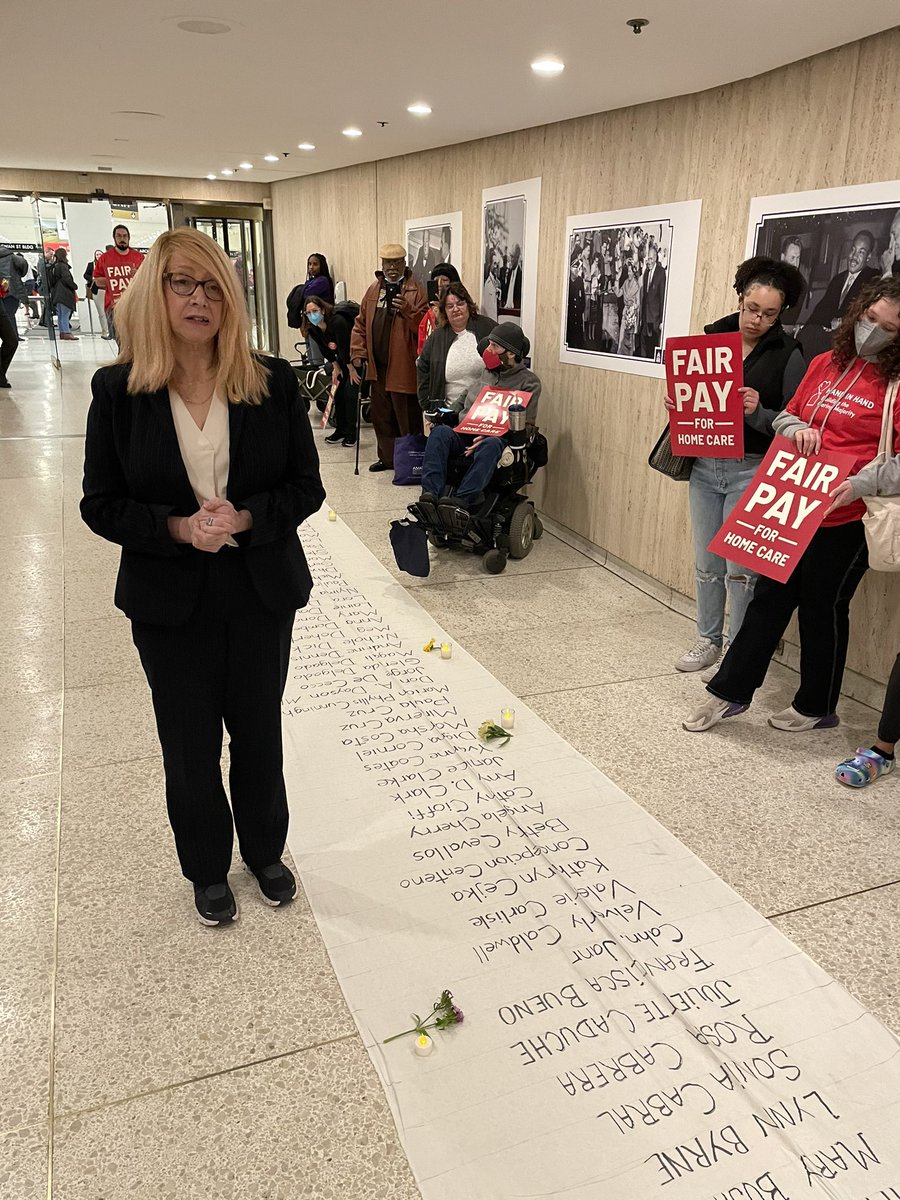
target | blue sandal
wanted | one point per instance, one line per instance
(864, 768)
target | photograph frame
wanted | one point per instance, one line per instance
(413, 231)
(825, 233)
(510, 217)
(676, 226)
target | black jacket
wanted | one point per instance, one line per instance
(430, 379)
(774, 367)
(64, 289)
(135, 479)
(337, 334)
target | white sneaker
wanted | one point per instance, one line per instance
(711, 671)
(711, 712)
(793, 722)
(700, 656)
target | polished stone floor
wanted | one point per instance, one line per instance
(144, 1056)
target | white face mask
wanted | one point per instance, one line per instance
(871, 339)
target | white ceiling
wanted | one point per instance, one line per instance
(295, 70)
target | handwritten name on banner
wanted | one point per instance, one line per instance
(489, 415)
(633, 1029)
(703, 377)
(783, 506)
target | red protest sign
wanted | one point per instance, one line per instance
(774, 521)
(703, 375)
(489, 415)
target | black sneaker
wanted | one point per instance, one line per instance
(215, 904)
(334, 438)
(378, 465)
(277, 884)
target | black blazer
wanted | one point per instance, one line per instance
(830, 306)
(135, 479)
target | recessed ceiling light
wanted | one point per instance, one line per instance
(226, 171)
(351, 131)
(245, 166)
(547, 66)
(305, 146)
(204, 26)
(271, 157)
(210, 177)
(419, 110)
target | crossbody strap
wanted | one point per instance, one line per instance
(886, 441)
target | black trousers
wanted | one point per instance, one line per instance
(821, 589)
(345, 402)
(9, 335)
(227, 665)
(889, 725)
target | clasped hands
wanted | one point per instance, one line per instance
(211, 525)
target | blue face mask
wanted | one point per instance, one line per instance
(315, 318)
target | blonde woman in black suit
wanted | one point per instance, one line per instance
(200, 464)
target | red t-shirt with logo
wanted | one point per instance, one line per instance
(117, 269)
(848, 411)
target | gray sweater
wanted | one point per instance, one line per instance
(517, 379)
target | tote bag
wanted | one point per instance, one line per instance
(409, 454)
(674, 466)
(882, 519)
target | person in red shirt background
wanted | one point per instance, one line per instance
(113, 271)
(839, 407)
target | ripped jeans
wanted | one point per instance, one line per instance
(715, 487)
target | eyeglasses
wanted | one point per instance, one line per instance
(185, 285)
(756, 314)
(455, 307)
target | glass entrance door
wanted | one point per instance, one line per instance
(241, 237)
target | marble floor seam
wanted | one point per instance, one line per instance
(875, 887)
(71, 1113)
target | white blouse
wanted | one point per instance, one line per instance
(463, 367)
(205, 451)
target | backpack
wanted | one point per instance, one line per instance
(348, 309)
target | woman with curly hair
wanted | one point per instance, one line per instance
(838, 406)
(773, 367)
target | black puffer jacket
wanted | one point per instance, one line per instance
(774, 367)
(63, 286)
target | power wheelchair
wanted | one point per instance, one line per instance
(504, 524)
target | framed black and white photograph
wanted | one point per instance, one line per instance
(433, 240)
(840, 239)
(628, 284)
(510, 227)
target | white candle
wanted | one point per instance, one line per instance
(424, 1045)
(507, 718)
(332, 515)
(447, 650)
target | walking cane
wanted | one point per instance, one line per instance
(363, 387)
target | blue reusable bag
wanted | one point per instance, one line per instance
(409, 454)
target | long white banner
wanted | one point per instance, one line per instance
(633, 1028)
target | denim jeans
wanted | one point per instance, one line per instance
(715, 487)
(445, 443)
(64, 318)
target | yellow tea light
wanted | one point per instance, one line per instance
(423, 1045)
(447, 650)
(507, 718)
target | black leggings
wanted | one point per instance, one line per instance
(889, 725)
(820, 589)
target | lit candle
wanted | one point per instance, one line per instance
(332, 515)
(424, 1045)
(507, 718)
(447, 650)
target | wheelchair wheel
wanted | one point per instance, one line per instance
(495, 561)
(521, 530)
(538, 528)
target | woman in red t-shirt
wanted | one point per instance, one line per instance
(838, 406)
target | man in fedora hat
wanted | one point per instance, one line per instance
(384, 340)
(502, 350)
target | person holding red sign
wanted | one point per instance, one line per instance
(773, 367)
(113, 272)
(838, 407)
(502, 353)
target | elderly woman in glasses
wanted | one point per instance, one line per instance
(200, 464)
(773, 368)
